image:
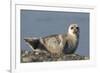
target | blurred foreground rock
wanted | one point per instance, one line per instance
(43, 56)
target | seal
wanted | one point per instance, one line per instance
(58, 43)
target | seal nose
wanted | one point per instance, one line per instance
(76, 30)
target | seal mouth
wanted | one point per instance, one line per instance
(75, 31)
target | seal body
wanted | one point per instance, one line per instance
(59, 43)
(70, 44)
(53, 43)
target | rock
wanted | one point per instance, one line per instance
(44, 56)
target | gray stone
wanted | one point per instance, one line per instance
(44, 56)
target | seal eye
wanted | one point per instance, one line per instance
(77, 28)
(72, 27)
